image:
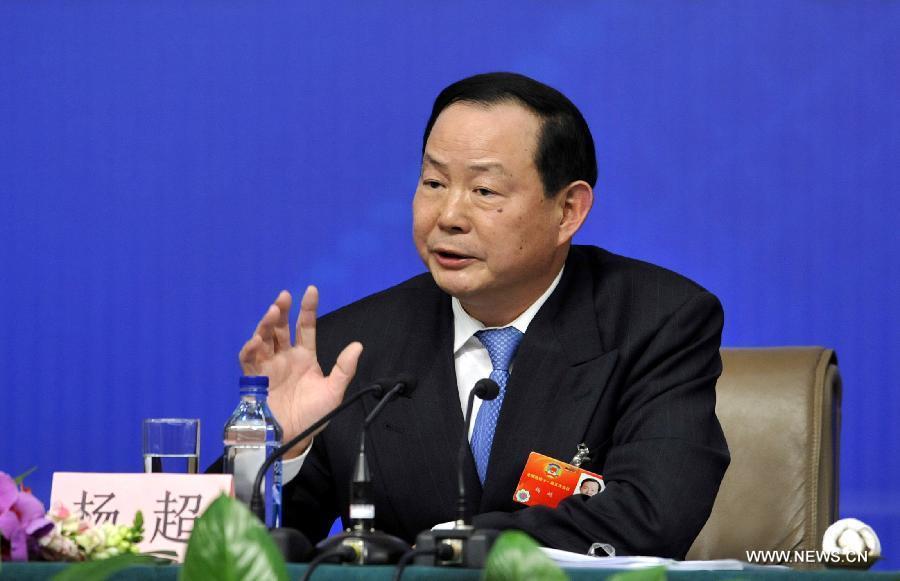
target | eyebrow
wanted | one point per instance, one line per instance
(480, 166)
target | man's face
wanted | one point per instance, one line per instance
(590, 487)
(481, 222)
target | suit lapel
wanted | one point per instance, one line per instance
(558, 375)
(418, 437)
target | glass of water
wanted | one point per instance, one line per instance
(171, 445)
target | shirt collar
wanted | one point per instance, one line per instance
(465, 326)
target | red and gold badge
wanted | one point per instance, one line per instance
(546, 481)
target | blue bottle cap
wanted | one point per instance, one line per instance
(254, 380)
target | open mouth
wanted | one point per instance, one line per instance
(451, 255)
(450, 259)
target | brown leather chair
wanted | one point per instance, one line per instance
(780, 410)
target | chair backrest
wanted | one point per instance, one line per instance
(780, 410)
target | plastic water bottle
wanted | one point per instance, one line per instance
(251, 435)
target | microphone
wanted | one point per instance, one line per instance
(461, 546)
(486, 390)
(293, 545)
(362, 508)
(369, 546)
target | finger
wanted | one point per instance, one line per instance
(282, 329)
(266, 327)
(306, 320)
(249, 355)
(345, 367)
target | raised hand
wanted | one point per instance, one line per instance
(299, 393)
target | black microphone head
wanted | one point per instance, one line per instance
(407, 382)
(380, 387)
(386, 384)
(486, 389)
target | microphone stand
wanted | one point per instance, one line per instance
(463, 545)
(293, 545)
(366, 545)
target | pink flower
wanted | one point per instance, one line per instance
(59, 512)
(22, 518)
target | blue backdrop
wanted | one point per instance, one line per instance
(167, 167)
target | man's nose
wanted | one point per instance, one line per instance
(454, 216)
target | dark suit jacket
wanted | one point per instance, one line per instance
(623, 356)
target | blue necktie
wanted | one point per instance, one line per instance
(501, 345)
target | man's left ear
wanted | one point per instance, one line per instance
(575, 201)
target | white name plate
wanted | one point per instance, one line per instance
(170, 503)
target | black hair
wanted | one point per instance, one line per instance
(589, 480)
(565, 147)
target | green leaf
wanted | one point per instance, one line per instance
(516, 556)
(21, 477)
(163, 556)
(229, 543)
(103, 568)
(649, 574)
(138, 524)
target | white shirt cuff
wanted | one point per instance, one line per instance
(291, 468)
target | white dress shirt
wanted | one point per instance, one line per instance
(470, 359)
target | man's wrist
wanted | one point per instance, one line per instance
(300, 449)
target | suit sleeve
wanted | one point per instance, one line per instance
(668, 453)
(310, 505)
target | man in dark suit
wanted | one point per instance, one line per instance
(587, 347)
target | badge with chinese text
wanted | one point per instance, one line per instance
(170, 503)
(546, 481)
